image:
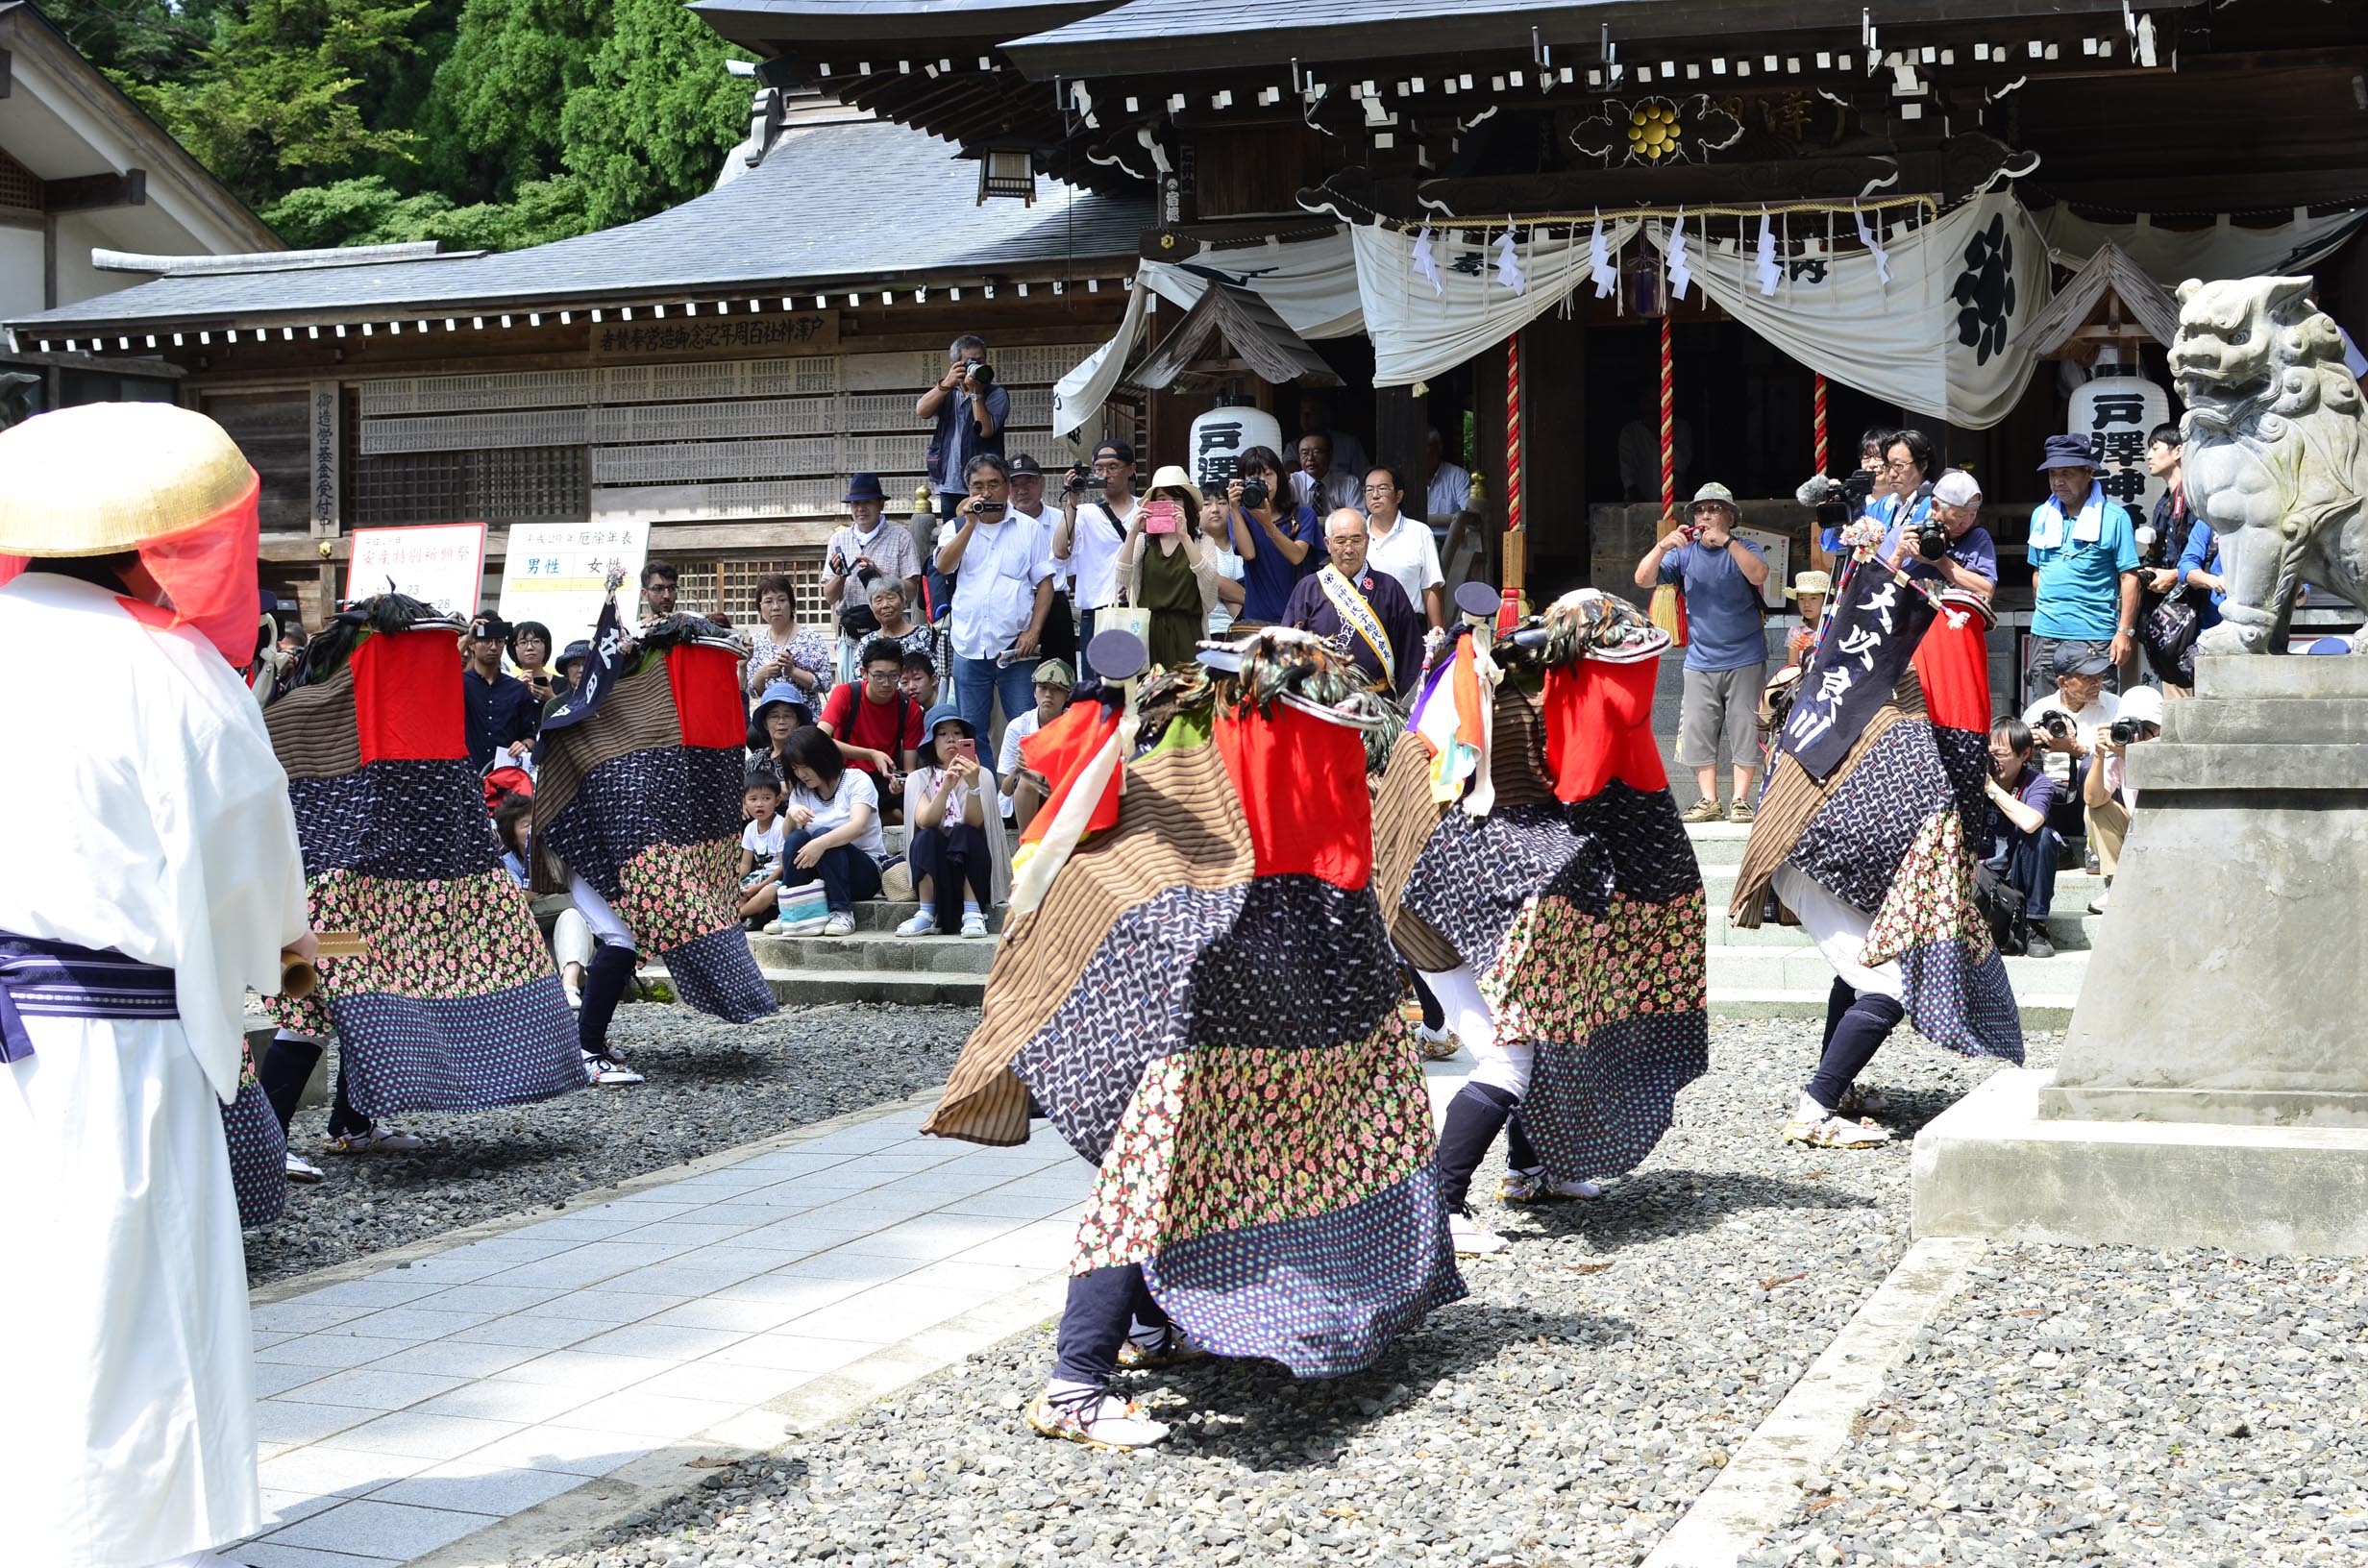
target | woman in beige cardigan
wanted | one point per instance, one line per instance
(1177, 575)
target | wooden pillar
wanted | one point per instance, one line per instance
(1554, 453)
(1399, 418)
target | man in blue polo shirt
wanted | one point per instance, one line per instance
(2083, 558)
(1726, 647)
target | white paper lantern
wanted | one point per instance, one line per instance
(2118, 413)
(1220, 437)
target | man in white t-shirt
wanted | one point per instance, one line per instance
(1023, 790)
(1093, 526)
(2079, 707)
(1401, 546)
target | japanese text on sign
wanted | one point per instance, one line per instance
(439, 564)
(556, 572)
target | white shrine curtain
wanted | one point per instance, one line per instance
(1422, 329)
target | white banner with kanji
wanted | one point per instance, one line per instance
(558, 574)
(442, 564)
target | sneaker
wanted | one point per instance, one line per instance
(1739, 812)
(1436, 1045)
(371, 1140)
(772, 928)
(1863, 1100)
(840, 924)
(1836, 1133)
(2036, 943)
(922, 924)
(575, 995)
(974, 923)
(1703, 811)
(1473, 1239)
(304, 1171)
(608, 1069)
(1148, 1348)
(1097, 1419)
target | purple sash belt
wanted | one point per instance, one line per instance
(43, 979)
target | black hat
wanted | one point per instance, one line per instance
(1120, 449)
(578, 650)
(1025, 464)
(864, 487)
(2067, 452)
(2075, 660)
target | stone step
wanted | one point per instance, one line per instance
(2040, 1009)
(873, 950)
(884, 915)
(2073, 889)
(1801, 968)
(2069, 926)
(900, 988)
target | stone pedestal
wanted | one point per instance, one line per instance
(2213, 1083)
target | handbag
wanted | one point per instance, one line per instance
(804, 909)
(2168, 633)
(1132, 618)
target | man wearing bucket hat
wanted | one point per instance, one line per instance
(155, 878)
(858, 556)
(1726, 646)
(2083, 560)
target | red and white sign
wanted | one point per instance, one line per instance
(442, 564)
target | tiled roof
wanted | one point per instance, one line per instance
(828, 204)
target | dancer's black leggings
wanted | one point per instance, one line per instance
(603, 987)
(1434, 1017)
(1857, 1023)
(285, 1068)
(1102, 1306)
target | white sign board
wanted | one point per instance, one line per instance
(558, 574)
(442, 564)
(1779, 553)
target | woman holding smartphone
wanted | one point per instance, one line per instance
(530, 649)
(957, 852)
(1168, 569)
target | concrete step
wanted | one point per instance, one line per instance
(873, 950)
(2069, 927)
(1801, 968)
(2073, 889)
(2040, 1009)
(885, 915)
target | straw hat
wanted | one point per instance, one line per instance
(1171, 478)
(1810, 584)
(109, 476)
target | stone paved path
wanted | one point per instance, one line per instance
(423, 1401)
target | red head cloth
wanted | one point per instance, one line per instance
(1060, 752)
(1301, 784)
(1599, 725)
(207, 574)
(1953, 664)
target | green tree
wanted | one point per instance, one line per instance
(273, 102)
(368, 211)
(493, 115)
(652, 127)
(136, 41)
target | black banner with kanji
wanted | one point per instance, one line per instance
(1871, 635)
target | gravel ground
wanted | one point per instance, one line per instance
(1565, 1414)
(712, 1085)
(2119, 1406)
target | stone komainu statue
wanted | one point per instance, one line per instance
(2276, 451)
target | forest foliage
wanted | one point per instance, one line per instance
(481, 123)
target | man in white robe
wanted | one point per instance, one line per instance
(148, 823)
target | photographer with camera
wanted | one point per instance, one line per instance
(1726, 651)
(2022, 848)
(970, 408)
(2065, 723)
(2105, 791)
(1949, 545)
(2172, 612)
(1274, 538)
(1002, 591)
(856, 559)
(1839, 502)
(1098, 509)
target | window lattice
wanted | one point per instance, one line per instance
(18, 186)
(730, 586)
(519, 485)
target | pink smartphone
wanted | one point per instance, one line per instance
(967, 748)
(1162, 516)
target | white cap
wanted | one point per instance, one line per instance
(1957, 488)
(2143, 703)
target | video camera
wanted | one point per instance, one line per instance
(1844, 497)
(1079, 481)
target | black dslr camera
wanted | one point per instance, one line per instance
(2055, 724)
(981, 373)
(1845, 498)
(2126, 731)
(1931, 540)
(1254, 494)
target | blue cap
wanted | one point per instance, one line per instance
(944, 713)
(864, 487)
(782, 691)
